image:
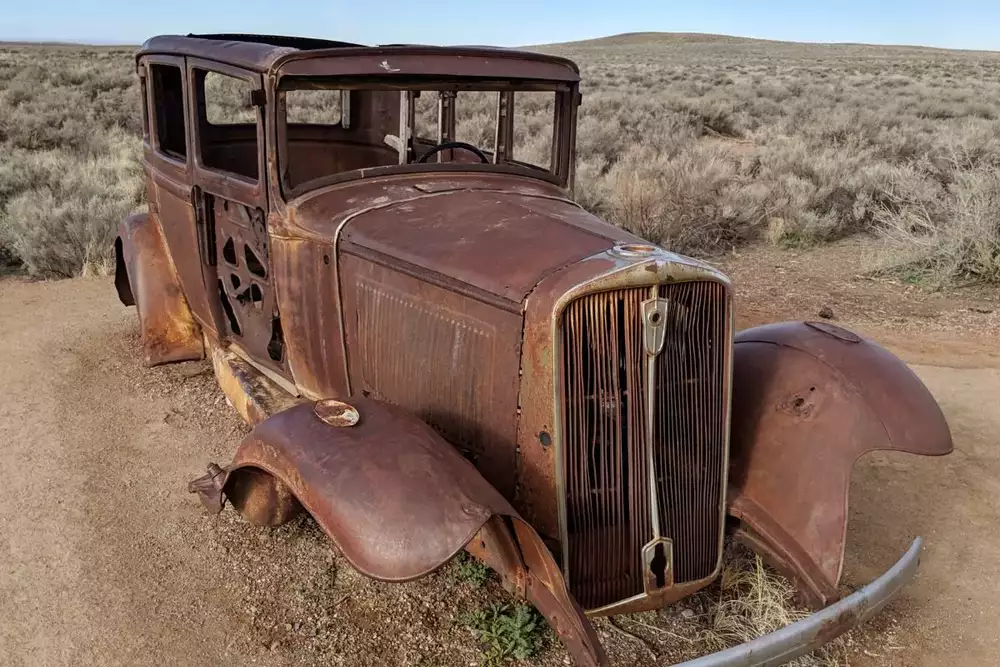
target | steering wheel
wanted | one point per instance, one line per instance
(453, 144)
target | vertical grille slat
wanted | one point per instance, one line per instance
(605, 440)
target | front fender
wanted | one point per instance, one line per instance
(809, 399)
(396, 499)
(169, 330)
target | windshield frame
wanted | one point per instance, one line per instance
(563, 128)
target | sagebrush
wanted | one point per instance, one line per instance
(696, 142)
(701, 142)
(69, 155)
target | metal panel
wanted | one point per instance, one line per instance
(606, 439)
(809, 400)
(526, 237)
(245, 281)
(297, 55)
(306, 290)
(176, 214)
(450, 346)
(449, 359)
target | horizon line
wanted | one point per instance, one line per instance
(98, 43)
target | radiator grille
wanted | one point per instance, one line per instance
(605, 438)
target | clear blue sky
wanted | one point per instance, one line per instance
(967, 24)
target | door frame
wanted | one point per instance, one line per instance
(217, 181)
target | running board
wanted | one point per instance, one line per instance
(251, 393)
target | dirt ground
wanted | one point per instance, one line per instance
(105, 559)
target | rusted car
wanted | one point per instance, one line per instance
(439, 350)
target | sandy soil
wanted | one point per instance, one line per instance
(106, 560)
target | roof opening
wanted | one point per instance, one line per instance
(301, 43)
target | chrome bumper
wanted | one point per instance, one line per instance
(810, 633)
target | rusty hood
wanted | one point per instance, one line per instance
(498, 235)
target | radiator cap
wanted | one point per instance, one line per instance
(636, 249)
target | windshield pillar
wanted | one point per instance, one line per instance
(406, 117)
(503, 145)
(564, 135)
(446, 122)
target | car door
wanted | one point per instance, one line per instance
(227, 121)
(170, 192)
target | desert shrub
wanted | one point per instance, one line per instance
(592, 189)
(969, 243)
(507, 632)
(62, 210)
(684, 203)
(954, 237)
(473, 572)
(69, 149)
(795, 145)
(7, 256)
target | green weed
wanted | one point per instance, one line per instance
(507, 632)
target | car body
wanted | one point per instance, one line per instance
(439, 350)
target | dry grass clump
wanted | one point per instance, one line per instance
(752, 601)
(749, 600)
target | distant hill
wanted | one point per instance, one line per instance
(631, 38)
(683, 39)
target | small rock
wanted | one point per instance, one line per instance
(687, 613)
(274, 646)
(826, 312)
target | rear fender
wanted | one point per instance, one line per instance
(122, 285)
(396, 499)
(809, 399)
(145, 277)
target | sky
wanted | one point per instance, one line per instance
(967, 24)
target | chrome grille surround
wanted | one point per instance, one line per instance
(627, 521)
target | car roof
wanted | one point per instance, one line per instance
(304, 56)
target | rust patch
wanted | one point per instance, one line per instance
(799, 404)
(838, 625)
(251, 393)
